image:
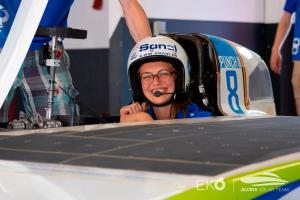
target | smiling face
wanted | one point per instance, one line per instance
(157, 76)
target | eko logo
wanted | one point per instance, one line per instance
(215, 184)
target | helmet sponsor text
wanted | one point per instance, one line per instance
(146, 47)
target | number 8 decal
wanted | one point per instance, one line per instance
(233, 97)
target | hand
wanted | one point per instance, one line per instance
(275, 62)
(134, 112)
(133, 108)
(136, 117)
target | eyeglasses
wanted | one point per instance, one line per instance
(162, 75)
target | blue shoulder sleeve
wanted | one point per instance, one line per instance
(290, 6)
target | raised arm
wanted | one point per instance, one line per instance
(136, 19)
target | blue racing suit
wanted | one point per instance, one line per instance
(193, 111)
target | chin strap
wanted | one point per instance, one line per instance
(169, 101)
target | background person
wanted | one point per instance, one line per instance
(33, 79)
(290, 7)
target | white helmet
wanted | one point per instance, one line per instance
(159, 48)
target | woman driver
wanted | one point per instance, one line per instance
(159, 77)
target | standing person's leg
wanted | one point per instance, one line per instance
(64, 102)
(296, 85)
(4, 111)
(33, 79)
(37, 81)
(35, 85)
(4, 115)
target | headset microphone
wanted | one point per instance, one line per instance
(158, 93)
